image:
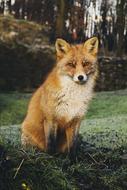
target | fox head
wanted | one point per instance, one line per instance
(77, 61)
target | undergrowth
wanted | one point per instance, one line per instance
(90, 169)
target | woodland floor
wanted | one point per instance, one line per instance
(101, 157)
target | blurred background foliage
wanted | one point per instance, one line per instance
(29, 28)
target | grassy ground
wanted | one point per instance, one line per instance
(13, 106)
(101, 157)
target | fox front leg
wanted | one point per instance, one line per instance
(50, 131)
(71, 134)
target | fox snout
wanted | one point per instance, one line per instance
(80, 78)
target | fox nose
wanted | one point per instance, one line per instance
(80, 77)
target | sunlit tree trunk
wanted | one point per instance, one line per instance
(6, 9)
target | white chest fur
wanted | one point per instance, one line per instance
(73, 98)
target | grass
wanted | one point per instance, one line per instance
(101, 157)
(13, 106)
(108, 104)
(92, 169)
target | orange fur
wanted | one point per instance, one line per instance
(58, 106)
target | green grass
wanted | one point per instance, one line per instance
(108, 132)
(108, 104)
(100, 162)
(105, 123)
(13, 106)
(92, 169)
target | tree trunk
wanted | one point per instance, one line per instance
(120, 26)
(60, 18)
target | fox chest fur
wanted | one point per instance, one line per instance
(72, 100)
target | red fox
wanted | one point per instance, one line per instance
(58, 106)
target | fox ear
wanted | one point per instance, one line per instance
(62, 47)
(91, 45)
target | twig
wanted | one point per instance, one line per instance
(18, 169)
(98, 163)
(93, 159)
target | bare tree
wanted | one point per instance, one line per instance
(60, 17)
(121, 5)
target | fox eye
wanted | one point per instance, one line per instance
(85, 63)
(71, 64)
